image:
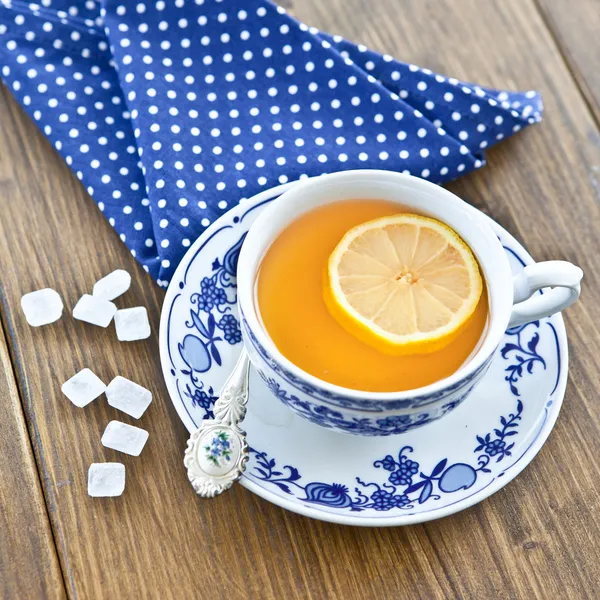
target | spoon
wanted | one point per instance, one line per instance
(217, 452)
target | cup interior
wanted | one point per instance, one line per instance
(410, 193)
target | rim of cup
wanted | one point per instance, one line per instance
(410, 192)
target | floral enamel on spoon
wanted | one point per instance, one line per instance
(217, 452)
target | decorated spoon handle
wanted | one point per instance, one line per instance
(217, 452)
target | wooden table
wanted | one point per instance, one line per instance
(538, 537)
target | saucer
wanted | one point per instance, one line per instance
(425, 474)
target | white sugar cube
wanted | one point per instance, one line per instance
(83, 387)
(132, 324)
(128, 396)
(96, 311)
(42, 307)
(106, 479)
(125, 438)
(113, 285)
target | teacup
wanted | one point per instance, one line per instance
(512, 302)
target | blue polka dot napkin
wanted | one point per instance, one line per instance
(172, 111)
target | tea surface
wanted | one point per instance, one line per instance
(290, 302)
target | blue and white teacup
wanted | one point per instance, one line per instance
(511, 303)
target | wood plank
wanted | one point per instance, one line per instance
(29, 565)
(575, 27)
(539, 537)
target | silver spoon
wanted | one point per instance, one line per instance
(217, 452)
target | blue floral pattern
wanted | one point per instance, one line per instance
(218, 452)
(231, 329)
(330, 418)
(201, 398)
(212, 323)
(406, 485)
(523, 353)
(495, 444)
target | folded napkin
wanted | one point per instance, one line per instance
(172, 111)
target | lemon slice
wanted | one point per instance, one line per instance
(403, 284)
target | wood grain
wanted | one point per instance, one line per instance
(28, 561)
(575, 27)
(537, 538)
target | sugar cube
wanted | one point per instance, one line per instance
(124, 438)
(106, 479)
(83, 387)
(42, 307)
(96, 311)
(128, 396)
(132, 324)
(113, 285)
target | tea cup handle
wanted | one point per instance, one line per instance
(563, 277)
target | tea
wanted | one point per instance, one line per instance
(294, 313)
